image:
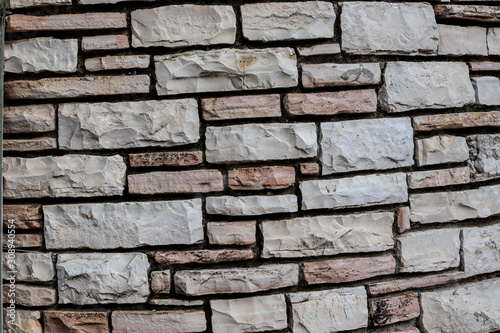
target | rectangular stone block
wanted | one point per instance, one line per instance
(320, 49)
(493, 39)
(338, 75)
(481, 247)
(63, 176)
(174, 302)
(36, 144)
(390, 310)
(487, 66)
(327, 235)
(226, 70)
(29, 118)
(309, 169)
(459, 41)
(403, 219)
(173, 158)
(29, 266)
(15, 320)
(77, 321)
(472, 13)
(31, 296)
(241, 107)
(26, 240)
(28, 216)
(116, 62)
(442, 149)
(123, 225)
(105, 42)
(231, 233)
(251, 205)
(456, 120)
(260, 178)
(159, 321)
(356, 191)
(436, 178)
(15, 4)
(66, 22)
(193, 181)
(160, 281)
(487, 90)
(485, 156)
(202, 256)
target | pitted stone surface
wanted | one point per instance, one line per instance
(30, 267)
(442, 149)
(251, 205)
(487, 90)
(29, 118)
(485, 156)
(172, 321)
(335, 75)
(481, 246)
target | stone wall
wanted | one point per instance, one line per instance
(251, 166)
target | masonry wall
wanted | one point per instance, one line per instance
(251, 166)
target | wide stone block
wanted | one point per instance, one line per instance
(493, 39)
(338, 75)
(487, 90)
(26, 240)
(116, 62)
(29, 267)
(442, 149)
(193, 181)
(241, 107)
(389, 310)
(481, 247)
(77, 321)
(202, 256)
(435, 178)
(66, 22)
(456, 120)
(105, 42)
(231, 233)
(144, 321)
(259, 178)
(171, 158)
(21, 321)
(251, 205)
(29, 118)
(226, 70)
(28, 216)
(459, 41)
(123, 225)
(485, 156)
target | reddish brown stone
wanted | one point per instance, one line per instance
(37, 144)
(26, 240)
(468, 13)
(24, 216)
(330, 103)
(107, 42)
(272, 178)
(176, 158)
(403, 219)
(28, 295)
(456, 120)
(29, 118)
(231, 233)
(310, 169)
(158, 321)
(66, 22)
(484, 66)
(391, 310)
(434, 178)
(202, 256)
(117, 62)
(160, 282)
(240, 107)
(346, 270)
(194, 181)
(75, 322)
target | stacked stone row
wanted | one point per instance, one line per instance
(302, 167)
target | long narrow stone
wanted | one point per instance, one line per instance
(241, 107)
(158, 321)
(259, 178)
(474, 13)
(335, 75)
(27, 216)
(105, 42)
(194, 181)
(117, 62)
(173, 158)
(456, 120)
(251, 205)
(66, 22)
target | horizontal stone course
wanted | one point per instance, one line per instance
(202, 256)
(174, 158)
(335, 75)
(231, 233)
(251, 205)
(195, 181)
(456, 120)
(241, 107)
(116, 62)
(29, 118)
(66, 22)
(258, 178)
(174, 321)
(105, 42)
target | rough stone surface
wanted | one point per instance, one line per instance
(320, 49)
(442, 149)
(430, 250)
(202, 256)
(241, 107)
(327, 235)
(63, 176)
(123, 225)
(468, 13)
(15, 4)
(425, 85)
(102, 278)
(75, 322)
(329, 310)
(106, 42)
(174, 158)
(484, 66)
(29, 118)
(174, 302)
(389, 28)
(259, 178)
(287, 20)
(158, 321)
(27, 216)
(435, 178)
(481, 246)
(253, 314)
(487, 90)
(226, 70)
(66, 22)
(41, 54)
(231, 233)
(472, 308)
(193, 181)
(183, 25)
(160, 282)
(26, 240)
(251, 205)
(338, 75)
(354, 192)
(493, 41)
(236, 280)
(22, 321)
(30, 267)
(117, 62)
(36, 144)
(385, 311)
(485, 156)
(403, 219)
(455, 206)
(459, 41)
(366, 144)
(260, 142)
(456, 120)
(32, 296)
(309, 169)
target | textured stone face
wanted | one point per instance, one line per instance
(226, 70)
(41, 54)
(239, 107)
(457, 120)
(389, 28)
(354, 192)
(473, 308)
(173, 158)
(335, 75)
(494, 41)
(455, 206)
(63, 176)
(123, 225)
(25, 216)
(116, 62)
(30, 267)
(251, 205)
(435, 178)
(487, 90)
(26, 240)
(391, 310)
(481, 246)
(37, 144)
(106, 42)
(160, 282)
(287, 20)
(430, 250)
(442, 149)
(425, 85)
(231, 233)
(174, 302)
(193, 181)
(29, 118)
(22, 321)
(158, 321)
(329, 310)
(459, 41)
(14, 4)
(485, 156)
(366, 144)
(262, 313)
(202, 256)
(32, 296)
(236, 280)
(260, 142)
(102, 278)
(319, 49)
(272, 177)
(77, 322)
(75, 22)
(468, 13)
(484, 66)
(327, 235)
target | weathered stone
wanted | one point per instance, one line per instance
(117, 62)
(259, 178)
(241, 107)
(72, 87)
(158, 321)
(481, 246)
(442, 149)
(21, 321)
(425, 85)
(253, 314)
(75, 322)
(66, 22)
(329, 310)
(160, 282)
(183, 25)
(430, 250)
(31, 296)
(472, 308)
(455, 206)
(456, 120)
(354, 192)
(251, 205)
(388, 28)
(41, 54)
(30, 267)
(123, 225)
(366, 144)
(231, 233)
(335, 75)
(260, 142)
(320, 49)
(163, 123)
(287, 20)
(102, 278)
(327, 235)
(459, 41)
(173, 158)
(331, 103)
(193, 181)
(493, 41)
(487, 66)
(202, 256)
(26, 240)
(391, 310)
(347, 270)
(226, 70)
(29, 118)
(236, 280)
(484, 156)
(468, 13)
(15, 4)
(63, 176)
(27, 216)
(106, 42)
(36, 144)
(309, 169)
(487, 90)
(95, 2)
(174, 302)
(435, 178)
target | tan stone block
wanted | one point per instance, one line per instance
(435, 178)
(259, 178)
(27, 216)
(468, 13)
(174, 158)
(75, 322)
(117, 62)
(31, 296)
(66, 22)
(26, 240)
(334, 75)
(479, 66)
(202, 256)
(105, 42)
(158, 321)
(241, 107)
(37, 144)
(231, 233)
(456, 120)
(391, 310)
(320, 49)
(403, 219)
(29, 118)
(160, 282)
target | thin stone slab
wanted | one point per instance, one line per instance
(251, 205)
(36, 144)
(29, 267)
(459, 41)
(105, 42)
(202, 256)
(487, 90)
(472, 13)
(241, 107)
(172, 158)
(66, 22)
(484, 66)
(29, 118)
(320, 49)
(435, 178)
(484, 159)
(117, 62)
(154, 321)
(441, 149)
(338, 75)
(481, 247)
(259, 178)
(192, 181)
(15, 4)
(75, 321)
(456, 120)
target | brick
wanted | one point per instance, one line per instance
(436, 178)
(37, 144)
(484, 159)
(309, 169)
(26, 240)
(441, 149)
(481, 247)
(403, 219)
(174, 158)
(319, 49)
(391, 310)
(117, 62)
(487, 90)
(241, 107)
(472, 13)
(484, 66)
(105, 42)
(66, 22)
(158, 321)
(251, 205)
(202, 256)
(259, 178)
(31, 296)
(195, 181)
(458, 41)
(29, 119)
(28, 216)
(77, 322)
(160, 282)
(456, 120)
(335, 75)
(231, 233)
